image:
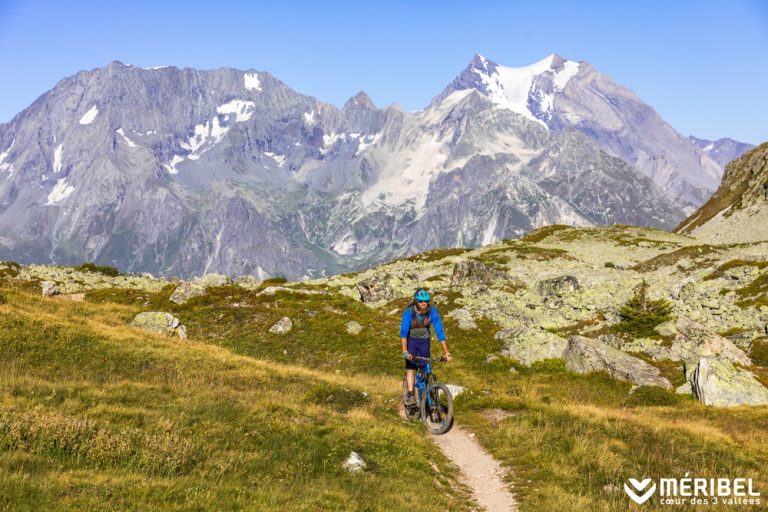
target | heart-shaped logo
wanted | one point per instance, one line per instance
(637, 488)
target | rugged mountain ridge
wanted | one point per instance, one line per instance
(738, 211)
(182, 172)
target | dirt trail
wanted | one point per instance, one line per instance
(480, 471)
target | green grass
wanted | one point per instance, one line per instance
(265, 420)
(696, 252)
(97, 415)
(728, 265)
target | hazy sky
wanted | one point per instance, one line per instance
(702, 65)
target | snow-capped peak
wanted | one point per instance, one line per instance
(511, 88)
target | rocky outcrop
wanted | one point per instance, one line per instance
(694, 340)
(473, 272)
(558, 286)
(196, 287)
(160, 322)
(375, 288)
(718, 382)
(353, 328)
(584, 355)
(463, 318)
(528, 344)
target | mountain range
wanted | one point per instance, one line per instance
(184, 172)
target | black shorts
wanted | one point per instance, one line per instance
(417, 347)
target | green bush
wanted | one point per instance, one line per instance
(99, 269)
(640, 315)
(2, 298)
(760, 351)
(609, 264)
(651, 395)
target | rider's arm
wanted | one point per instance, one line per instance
(437, 323)
(405, 325)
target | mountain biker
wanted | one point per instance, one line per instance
(415, 335)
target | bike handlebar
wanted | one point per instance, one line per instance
(430, 359)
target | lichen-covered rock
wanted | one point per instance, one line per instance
(718, 382)
(271, 290)
(69, 280)
(160, 322)
(558, 286)
(528, 345)
(248, 282)
(354, 327)
(282, 326)
(472, 272)
(667, 328)
(375, 288)
(584, 355)
(49, 288)
(196, 287)
(695, 340)
(463, 318)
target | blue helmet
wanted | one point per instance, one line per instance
(421, 294)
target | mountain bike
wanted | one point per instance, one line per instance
(435, 400)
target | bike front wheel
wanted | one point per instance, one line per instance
(436, 408)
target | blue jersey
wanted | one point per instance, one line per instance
(434, 318)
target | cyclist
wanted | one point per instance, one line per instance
(415, 336)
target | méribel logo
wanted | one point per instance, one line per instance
(636, 490)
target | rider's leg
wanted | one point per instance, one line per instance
(410, 377)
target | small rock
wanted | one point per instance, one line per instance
(455, 390)
(282, 326)
(50, 288)
(684, 389)
(610, 488)
(490, 358)
(667, 328)
(354, 327)
(160, 322)
(354, 463)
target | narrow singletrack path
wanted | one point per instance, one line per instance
(479, 470)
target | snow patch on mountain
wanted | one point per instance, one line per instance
(60, 191)
(171, 166)
(280, 159)
(366, 141)
(130, 143)
(89, 116)
(57, 158)
(309, 119)
(5, 166)
(242, 109)
(252, 81)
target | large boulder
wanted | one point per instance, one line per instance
(529, 344)
(472, 272)
(718, 382)
(196, 287)
(375, 288)
(160, 322)
(694, 340)
(584, 355)
(558, 286)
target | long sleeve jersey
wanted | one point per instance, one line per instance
(434, 318)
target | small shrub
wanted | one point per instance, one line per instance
(651, 395)
(640, 315)
(272, 281)
(336, 397)
(609, 264)
(759, 351)
(549, 366)
(99, 269)
(2, 298)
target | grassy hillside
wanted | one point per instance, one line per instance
(97, 415)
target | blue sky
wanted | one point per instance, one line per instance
(702, 65)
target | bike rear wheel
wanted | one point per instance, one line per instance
(436, 408)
